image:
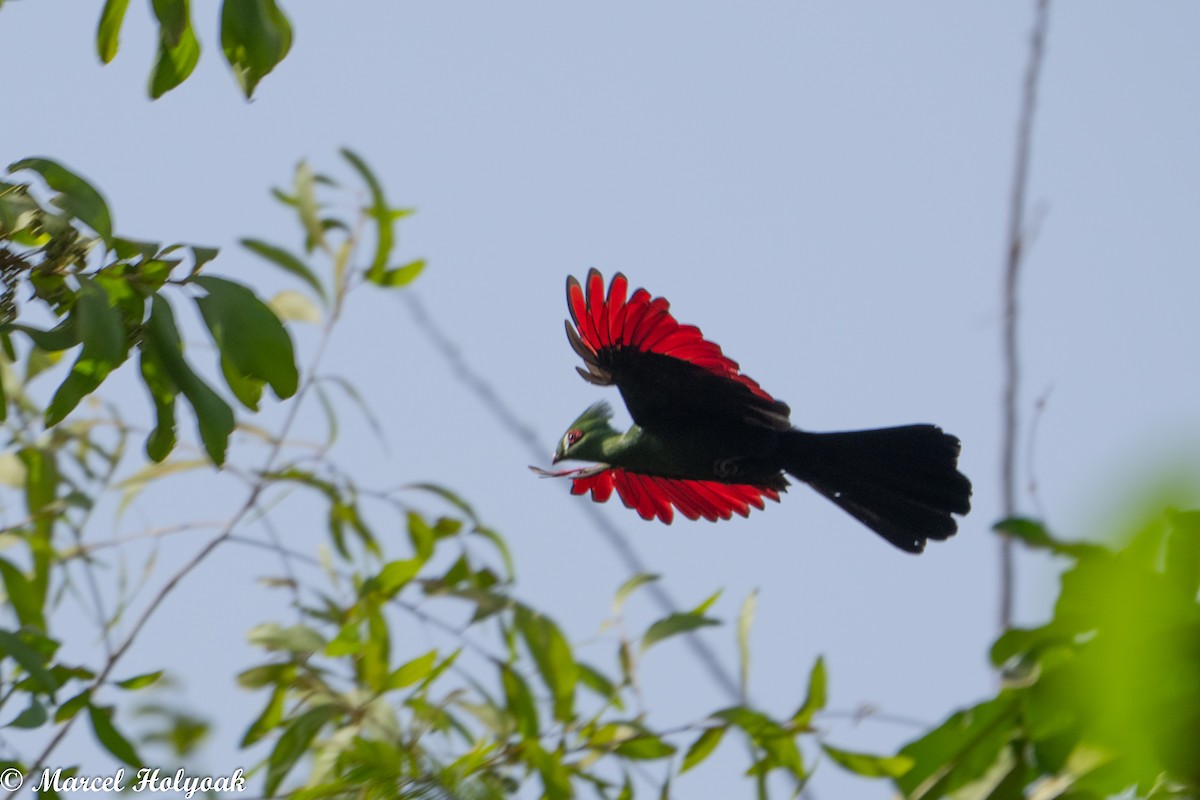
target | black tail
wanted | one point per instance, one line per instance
(903, 483)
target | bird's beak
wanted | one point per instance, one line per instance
(557, 457)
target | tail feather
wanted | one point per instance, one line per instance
(903, 483)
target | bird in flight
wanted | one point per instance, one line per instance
(708, 441)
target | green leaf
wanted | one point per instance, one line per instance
(73, 706)
(869, 766)
(112, 739)
(255, 36)
(381, 214)
(554, 659)
(173, 19)
(34, 716)
(286, 261)
(24, 597)
(249, 334)
(76, 196)
(105, 347)
(62, 336)
(270, 717)
(141, 681)
(294, 743)
(519, 702)
(1034, 534)
(412, 671)
(703, 747)
(400, 276)
(745, 620)
(599, 683)
(707, 604)
(33, 662)
(674, 625)
(395, 575)
(961, 749)
(815, 699)
(108, 34)
(298, 639)
(629, 587)
(644, 748)
(421, 536)
(247, 390)
(178, 48)
(214, 417)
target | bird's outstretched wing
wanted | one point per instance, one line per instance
(668, 373)
(652, 496)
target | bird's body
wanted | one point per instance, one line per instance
(708, 441)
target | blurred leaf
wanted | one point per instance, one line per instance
(380, 213)
(247, 390)
(553, 657)
(645, 747)
(959, 750)
(673, 625)
(178, 48)
(73, 706)
(62, 336)
(629, 587)
(23, 596)
(306, 206)
(412, 671)
(249, 334)
(703, 747)
(163, 392)
(288, 262)
(112, 739)
(707, 604)
(294, 744)
(132, 486)
(869, 766)
(745, 620)
(108, 34)
(105, 347)
(141, 681)
(401, 276)
(1034, 534)
(255, 36)
(816, 697)
(173, 19)
(294, 307)
(598, 682)
(33, 662)
(270, 717)
(519, 702)
(76, 196)
(213, 415)
(298, 639)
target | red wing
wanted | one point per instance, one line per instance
(652, 496)
(644, 325)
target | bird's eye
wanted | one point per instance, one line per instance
(574, 436)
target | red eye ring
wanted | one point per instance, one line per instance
(574, 436)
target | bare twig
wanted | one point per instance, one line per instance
(1012, 269)
(524, 433)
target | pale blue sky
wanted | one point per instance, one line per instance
(821, 187)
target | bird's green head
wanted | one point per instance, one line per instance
(584, 440)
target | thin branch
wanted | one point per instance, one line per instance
(1012, 269)
(525, 434)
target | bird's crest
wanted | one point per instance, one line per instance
(595, 416)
